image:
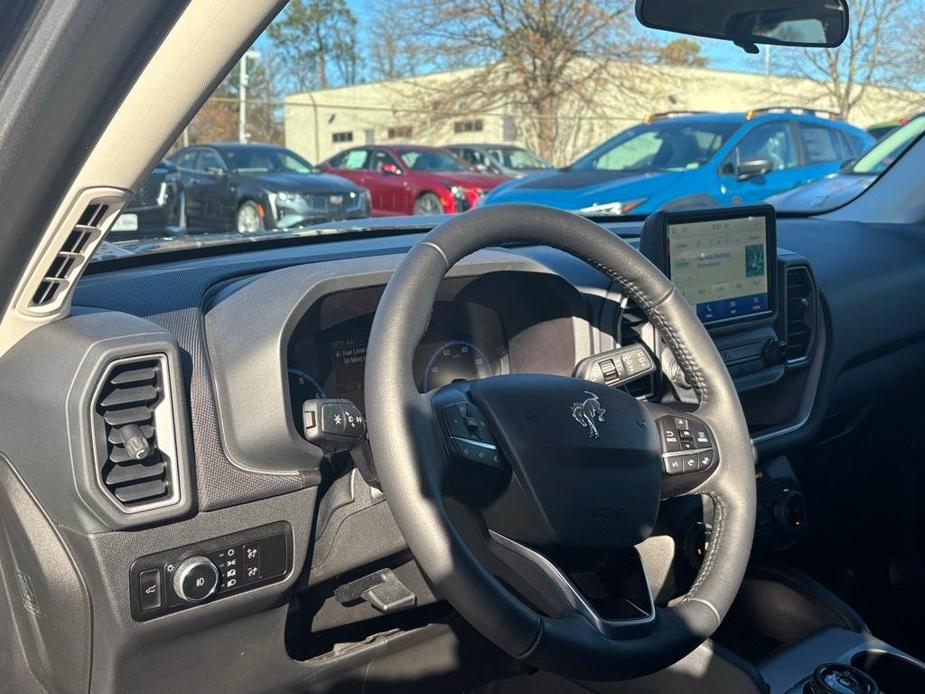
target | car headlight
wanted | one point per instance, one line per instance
(614, 208)
(287, 197)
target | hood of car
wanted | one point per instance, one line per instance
(831, 191)
(292, 182)
(579, 189)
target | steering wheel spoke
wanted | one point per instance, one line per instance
(615, 597)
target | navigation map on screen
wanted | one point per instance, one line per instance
(721, 266)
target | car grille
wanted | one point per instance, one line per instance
(149, 195)
(332, 202)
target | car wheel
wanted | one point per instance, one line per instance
(248, 218)
(428, 203)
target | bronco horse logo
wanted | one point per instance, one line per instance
(587, 412)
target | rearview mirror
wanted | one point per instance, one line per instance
(754, 167)
(215, 170)
(812, 23)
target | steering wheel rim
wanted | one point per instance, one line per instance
(411, 459)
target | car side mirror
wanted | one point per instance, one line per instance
(390, 170)
(753, 167)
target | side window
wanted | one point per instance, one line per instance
(354, 159)
(820, 144)
(856, 144)
(209, 160)
(771, 141)
(379, 158)
(187, 159)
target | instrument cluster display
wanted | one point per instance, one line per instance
(464, 341)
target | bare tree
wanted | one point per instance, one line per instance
(392, 53)
(879, 49)
(314, 37)
(532, 59)
(682, 52)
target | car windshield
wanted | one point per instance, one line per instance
(431, 160)
(262, 160)
(669, 145)
(889, 148)
(617, 122)
(518, 159)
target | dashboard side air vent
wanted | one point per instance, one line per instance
(135, 436)
(68, 262)
(800, 304)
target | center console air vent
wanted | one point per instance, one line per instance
(136, 446)
(800, 297)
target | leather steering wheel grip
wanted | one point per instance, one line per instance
(409, 453)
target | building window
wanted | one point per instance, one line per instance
(468, 126)
(399, 132)
(346, 136)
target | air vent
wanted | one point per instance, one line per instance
(67, 264)
(136, 448)
(801, 313)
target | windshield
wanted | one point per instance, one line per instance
(430, 160)
(518, 159)
(671, 145)
(258, 160)
(890, 148)
(569, 104)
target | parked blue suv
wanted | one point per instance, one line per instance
(676, 160)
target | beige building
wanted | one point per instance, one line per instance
(321, 123)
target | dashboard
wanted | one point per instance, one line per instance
(240, 338)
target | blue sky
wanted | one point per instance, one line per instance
(721, 54)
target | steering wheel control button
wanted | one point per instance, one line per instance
(149, 589)
(669, 435)
(195, 579)
(687, 445)
(478, 452)
(704, 460)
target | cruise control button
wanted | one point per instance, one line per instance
(478, 452)
(455, 416)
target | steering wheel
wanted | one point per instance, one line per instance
(511, 475)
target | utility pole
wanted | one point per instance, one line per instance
(767, 59)
(242, 93)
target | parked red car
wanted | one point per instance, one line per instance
(412, 179)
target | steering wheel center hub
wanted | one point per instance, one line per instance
(586, 459)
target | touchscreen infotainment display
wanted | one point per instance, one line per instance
(721, 265)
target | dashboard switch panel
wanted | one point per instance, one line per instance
(179, 578)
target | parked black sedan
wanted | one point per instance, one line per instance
(257, 187)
